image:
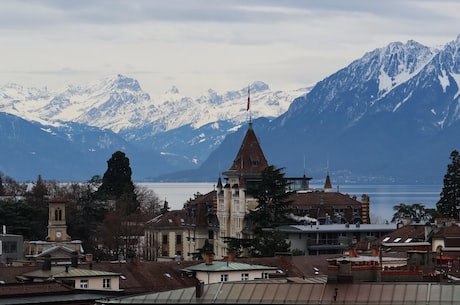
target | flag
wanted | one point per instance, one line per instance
(249, 99)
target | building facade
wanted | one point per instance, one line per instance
(181, 234)
(57, 239)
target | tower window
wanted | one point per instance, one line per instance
(58, 214)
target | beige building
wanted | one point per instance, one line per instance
(180, 234)
(228, 271)
(58, 244)
(221, 214)
(232, 201)
(86, 279)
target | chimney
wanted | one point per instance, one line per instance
(46, 263)
(199, 288)
(208, 258)
(375, 252)
(74, 260)
(231, 256)
(352, 253)
(428, 231)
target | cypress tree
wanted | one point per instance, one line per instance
(117, 184)
(449, 203)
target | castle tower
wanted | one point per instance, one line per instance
(233, 203)
(365, 213)
(57, 227)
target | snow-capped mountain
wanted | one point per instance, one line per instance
(391, 116)
(182, 130)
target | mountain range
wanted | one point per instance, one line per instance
(391, 116)
(69, 135)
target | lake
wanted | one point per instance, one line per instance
(382, 197)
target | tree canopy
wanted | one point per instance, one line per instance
(272, 211)
(273, 206)
(117, 184)
(449, 202)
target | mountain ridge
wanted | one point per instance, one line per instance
(391, 116)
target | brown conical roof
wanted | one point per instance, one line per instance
(250, 157)
(327, 183)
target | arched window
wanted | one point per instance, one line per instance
(58, 214)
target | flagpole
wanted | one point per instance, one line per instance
(249, 103)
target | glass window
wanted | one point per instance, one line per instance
(178, 239)
(244, 276)
(105, 283)
(265, 275)
(83, 283)
(224, 277)
(165, 239)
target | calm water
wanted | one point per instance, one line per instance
(382, 197)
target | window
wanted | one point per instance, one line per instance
(105, 283)
(178, 239)
(83, 283)
(244, 276)
(9, 247)
(165, 239)
(265, 275)
(224, 277)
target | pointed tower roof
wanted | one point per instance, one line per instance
(250, 159)
(327, 184)
(219, 183)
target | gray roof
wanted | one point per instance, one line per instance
(249, 292)
(219, 266)
(60, 272)
(338, 228)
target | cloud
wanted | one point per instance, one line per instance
(200, 44)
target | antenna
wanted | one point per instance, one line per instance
(304, 167)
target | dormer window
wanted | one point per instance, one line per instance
(254, 161)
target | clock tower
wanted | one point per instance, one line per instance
(57, 227)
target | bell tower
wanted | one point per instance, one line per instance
(57, 227)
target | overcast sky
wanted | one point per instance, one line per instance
(198, 44)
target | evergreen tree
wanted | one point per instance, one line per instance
(272, 211)
(449, 203)
(416, 212)
(117, 184)
(273, 206)
(268, 243)
(2, 189)
(39, 190)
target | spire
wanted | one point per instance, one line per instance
(250, 158)
(327, 184)
(249, 103)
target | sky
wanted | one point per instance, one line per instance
(198, 45)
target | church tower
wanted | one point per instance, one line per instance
(57, 227)
(232, 201)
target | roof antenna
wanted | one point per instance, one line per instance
(304, 169)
